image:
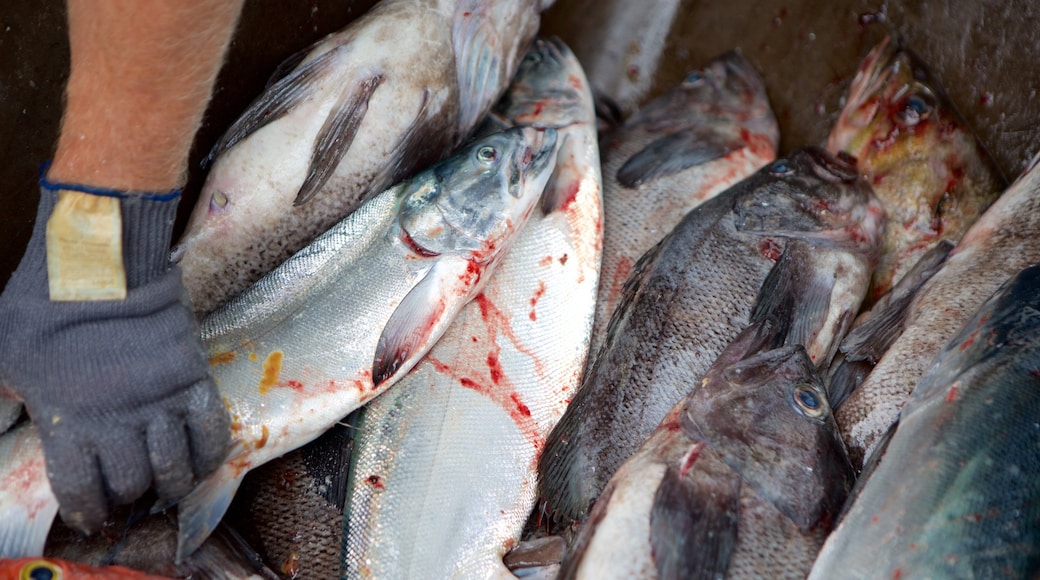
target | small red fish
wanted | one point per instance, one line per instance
(54, 569)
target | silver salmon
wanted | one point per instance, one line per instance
(454, 445)
(352, 313)
(683, 148)
(999, 244)
(366, 107)
(954, 492)
(923, 161)
(692, 294)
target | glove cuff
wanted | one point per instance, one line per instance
(147, 222)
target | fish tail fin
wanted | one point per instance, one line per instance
(200, 512)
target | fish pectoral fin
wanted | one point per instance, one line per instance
(566, 178)
(693, 529)
(477, 65)
(674, 153)
(276, 101)
(421, 317)
(337, 134)
(200, 512)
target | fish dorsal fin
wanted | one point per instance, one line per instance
(674, 153)
(336, 135)
(276, 101)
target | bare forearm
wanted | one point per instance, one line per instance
(141, 75)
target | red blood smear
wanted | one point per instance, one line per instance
(520, 406)
(952, 394)
(770, 249)
(534, 299)
(495, 368)
(971, 340)
(376, 482)
(415, 247)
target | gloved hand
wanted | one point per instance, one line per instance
(119, 389)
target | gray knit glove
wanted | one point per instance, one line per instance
(119, 389)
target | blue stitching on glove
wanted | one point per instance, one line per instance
(103, 191)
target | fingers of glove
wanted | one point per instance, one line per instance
(170, 457)
(123, 456)
(75, 477)
(209, 427)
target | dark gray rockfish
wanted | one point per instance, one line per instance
(693, 293)
(999, 244)
(741, 480)
(364, 108)
(681, 149)
(956, 491)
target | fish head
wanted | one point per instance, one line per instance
(813, 196)
(768, 416)
(56, 569)
(472, 202)
(549, 89)
(726, 91)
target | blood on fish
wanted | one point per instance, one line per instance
(563, 260)
(524, 409)
(952, 394)
(494, 367)
(545, 261)
(770, 249)
(690, 459)
(534, 299)
(574, 81)
(376, 482)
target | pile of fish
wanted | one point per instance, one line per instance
(470, 333)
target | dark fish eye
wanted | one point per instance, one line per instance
(808, 401)
(487, 155)
(533, 58)
(694, 77)
(781, 167)
(40, 570)
(914, 110)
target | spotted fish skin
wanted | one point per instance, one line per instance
(953, 493)
(360, 111)
(999, 244)
(454, 445)
(694, 292)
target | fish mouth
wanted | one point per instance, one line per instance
(831, 168)
(540, 149)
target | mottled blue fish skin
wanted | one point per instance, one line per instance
(956, 492)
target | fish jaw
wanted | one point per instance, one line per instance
(27, 504)
(923, 160)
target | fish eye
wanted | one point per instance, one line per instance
(40, 570)
(916, 108)
(694, 77)
(808, 401)
(487, 155)
(533, 58)
(781, 167)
